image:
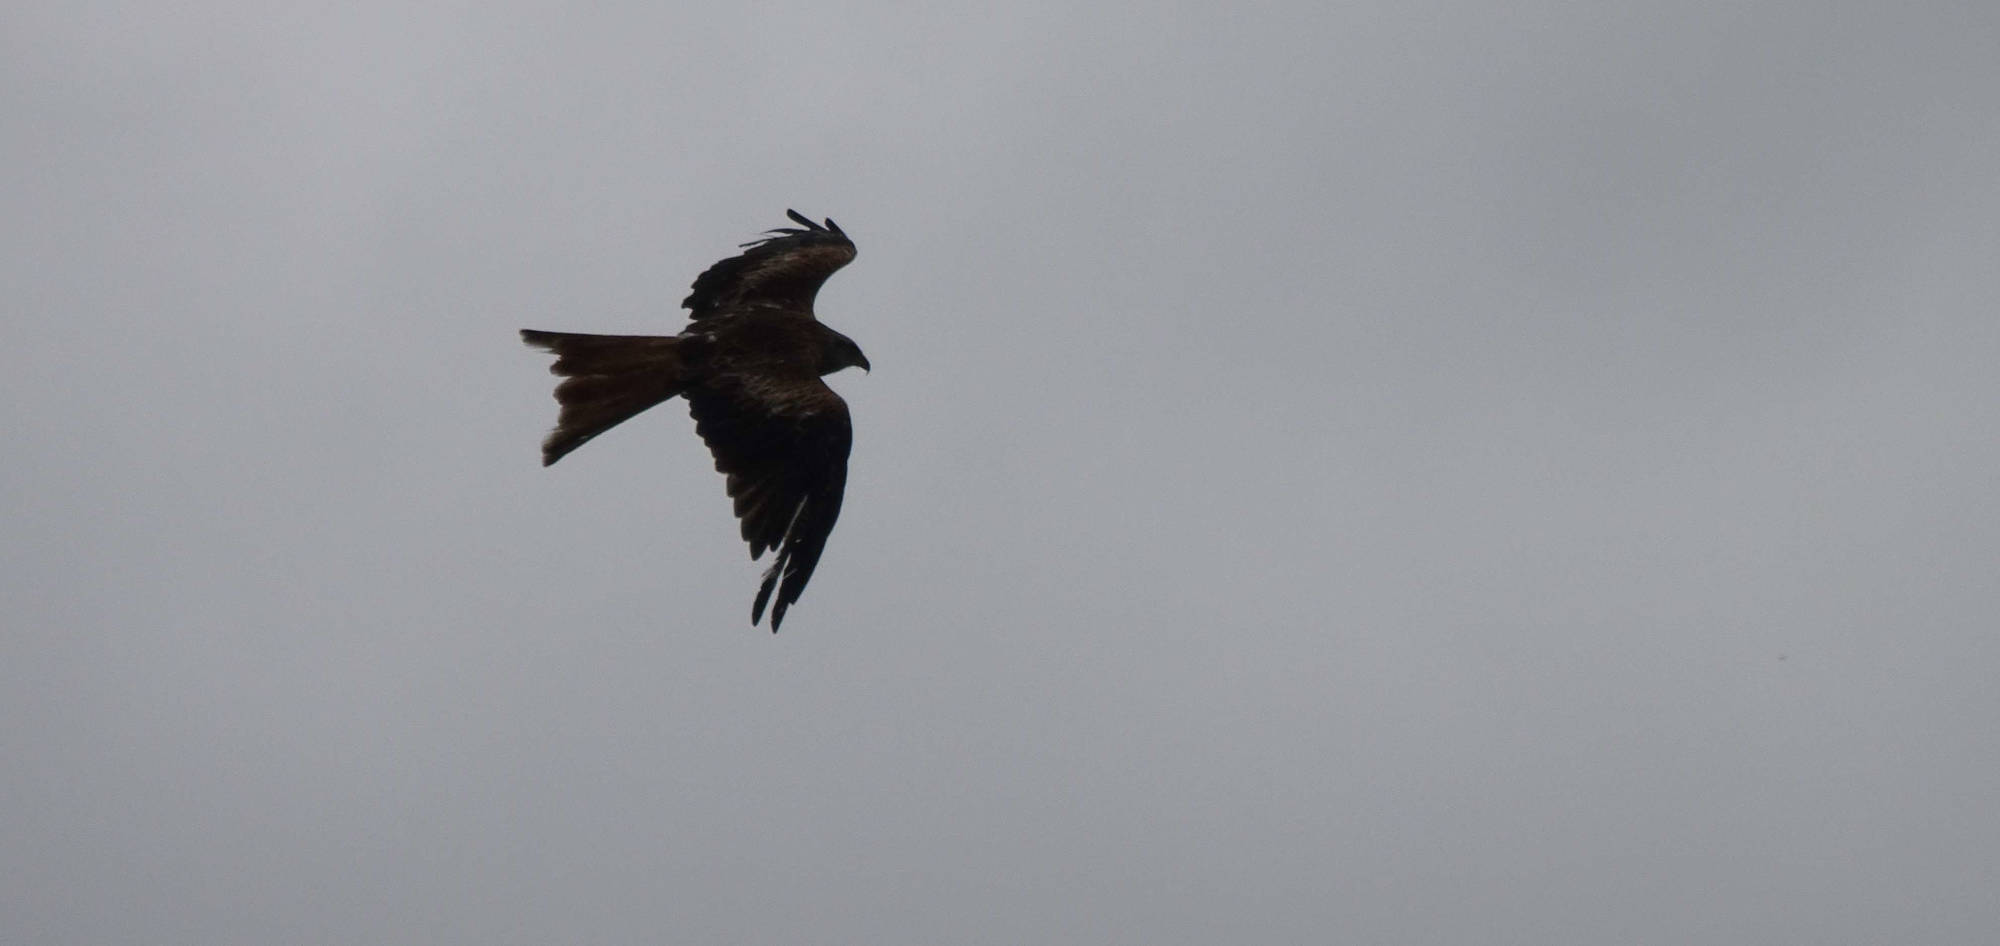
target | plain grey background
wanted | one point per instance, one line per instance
(1379, 473)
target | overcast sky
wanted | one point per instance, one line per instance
(1381, 473)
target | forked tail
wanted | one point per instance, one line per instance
(606, 380)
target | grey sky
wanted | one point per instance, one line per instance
(1396, 473)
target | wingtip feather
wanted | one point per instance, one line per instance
(764, 597)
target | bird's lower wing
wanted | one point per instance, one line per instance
(783, 444)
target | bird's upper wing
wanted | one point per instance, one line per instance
(783, 270)
(783, 444)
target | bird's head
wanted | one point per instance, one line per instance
(840, 352)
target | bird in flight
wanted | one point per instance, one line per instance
(749, 364)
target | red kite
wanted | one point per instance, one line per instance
(749, 364)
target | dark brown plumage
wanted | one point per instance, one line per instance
(749, 364)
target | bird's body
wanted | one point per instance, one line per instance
(749, 364)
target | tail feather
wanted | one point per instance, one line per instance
(607, 380)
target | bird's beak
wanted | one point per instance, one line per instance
(864, 364)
